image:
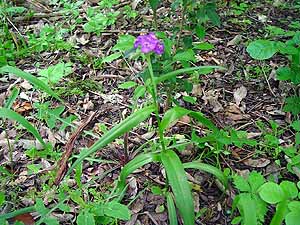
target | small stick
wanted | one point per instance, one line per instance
(62, 165)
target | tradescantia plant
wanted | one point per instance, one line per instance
(151, 47)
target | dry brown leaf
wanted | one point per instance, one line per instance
(239, 94)
(258, 163)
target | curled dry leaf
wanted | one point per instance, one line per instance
(211, 97)
(235, 41)
(239, 94)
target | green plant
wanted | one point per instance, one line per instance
(175, 169)
(265, 49)
(256, 193)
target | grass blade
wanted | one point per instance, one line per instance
(134, 164)
(171, 210)
(172, 74)
(14, 94)
(209, 169)
(118, 130)
(180, 186)
(32, 79)
(12, 115)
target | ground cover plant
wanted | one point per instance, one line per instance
(149, 112)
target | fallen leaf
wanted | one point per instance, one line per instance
(239, 94)
(211, 97)
(258, 163)
(26, 218)
(235, 41)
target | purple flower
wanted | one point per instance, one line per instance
(149, 43)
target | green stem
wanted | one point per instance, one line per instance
(155, 102)
(281, 210)
(17, 212)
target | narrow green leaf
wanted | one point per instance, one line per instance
(209, 169)
(14, 94)
(247, 208)
(281, 212)
(171, 210)
(32, 79)
(118, 130)
(202, 119)
(131, 166)
(172, 74)
(180, 186)
(171, 115)
(12, 115)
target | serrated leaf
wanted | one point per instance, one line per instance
(255, 180)
(247, 208)
(261, 49)
(180, 186)
(53, 74)
(241, 184)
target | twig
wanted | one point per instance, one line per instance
(62, 165)
(267, 80)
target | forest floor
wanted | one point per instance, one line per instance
(246, 96)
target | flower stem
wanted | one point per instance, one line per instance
(155, 102)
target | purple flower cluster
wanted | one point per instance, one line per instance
(149, 43)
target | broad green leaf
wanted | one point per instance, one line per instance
(296, 125)
(200, 31)
(171, 210)
(85, 218)
(171, 115)
(32, 79)
(284, 73)
(124, 43)
(261, 49)
(12, 115)
(127, 85)
(14, 94)
(292, 218)
(289, 188)
(131, 166)
(209, 169)
(50, 220)
(118, 130)
(292, 104)
(139, 92)
(53, 74)
(188, 55)
(294, 206)
(271, 193)
(180, 186)
(154, 4)
(173, 74)
(116, 210)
